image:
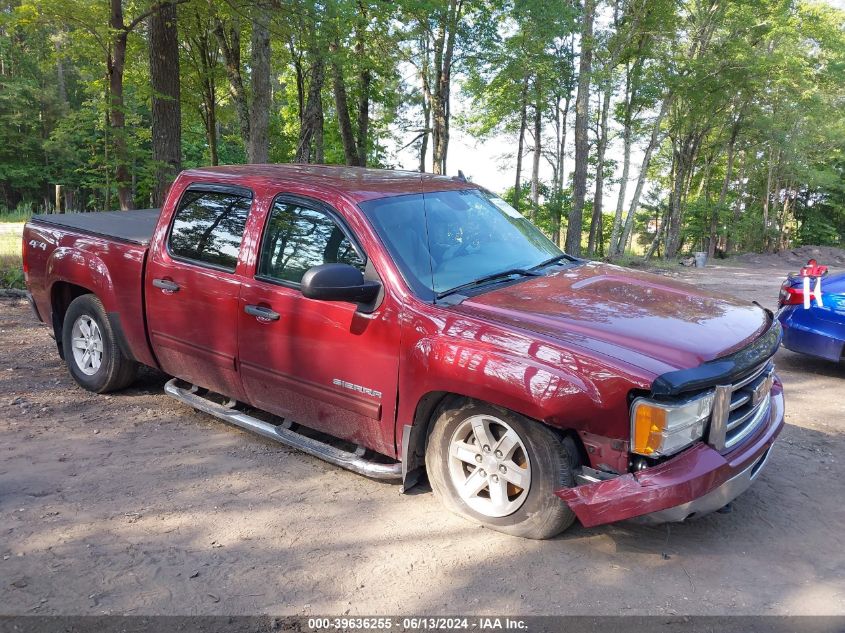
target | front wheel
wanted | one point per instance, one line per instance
(500, 469)
(91, 352)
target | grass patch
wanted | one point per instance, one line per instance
(19, 214)
(11, 264)
(14, 217)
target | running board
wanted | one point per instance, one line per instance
(351, 461)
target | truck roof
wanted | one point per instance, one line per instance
(358, 183)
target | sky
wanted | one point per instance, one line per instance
(491, 162)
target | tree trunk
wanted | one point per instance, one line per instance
(655, 243)
(258, 147)
(166, 109)
(560, 179)
(723, 193)
(365, 79)
(444, 49)
(767, 196)
(788, 201)
(107, 143)
(686, 152)
(535, 165)
(426, 100)
(554, 206)
(730, 244)
(364, 82)
(704, 186)
(230, 45)
(350, 148)
(598, 199)
(653, 142)
(61, 83)
(210, 115)
(117, 116)
(425, 135)
(203, 56)
(627, 135)
(211, 135)
(520, 145)
(775, 213)
(673, 231)
(310, 146)
(582, 147)
(300, 79)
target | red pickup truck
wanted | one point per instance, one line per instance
(396, 323)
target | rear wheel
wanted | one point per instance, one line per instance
(91, 352)
(499, 469)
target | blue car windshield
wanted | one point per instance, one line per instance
(446, 239)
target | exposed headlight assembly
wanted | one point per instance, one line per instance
(659, 429)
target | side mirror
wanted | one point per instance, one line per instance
(338, 282)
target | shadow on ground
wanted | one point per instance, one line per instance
(136, 504)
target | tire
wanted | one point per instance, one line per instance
(103, 368)
(538, 458)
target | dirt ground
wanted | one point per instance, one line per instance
(135, 504)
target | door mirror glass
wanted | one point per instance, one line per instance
(338, 282)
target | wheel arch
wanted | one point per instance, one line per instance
(62, 294)
(75, 272)
(415, 435)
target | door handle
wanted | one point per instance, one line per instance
(166, 285)
(262, 314)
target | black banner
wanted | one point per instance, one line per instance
(397, 624)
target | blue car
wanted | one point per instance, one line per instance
(812, 326)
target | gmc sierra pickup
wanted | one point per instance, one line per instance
(396, 323)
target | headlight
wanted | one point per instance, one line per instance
(659, 428)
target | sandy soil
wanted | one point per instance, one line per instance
(136, 504)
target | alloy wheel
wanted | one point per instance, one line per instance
(87, 345)
(489, 466)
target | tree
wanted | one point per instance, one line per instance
(582, 100)
(735, 107)
(447, 33)
(202, 57)
(166, 102)
(252, 109)
(258, 146)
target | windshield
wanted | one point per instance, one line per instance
(446, 239)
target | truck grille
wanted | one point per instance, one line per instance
(748, 410)
(739, 409)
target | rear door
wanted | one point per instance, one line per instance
(192, 290)
(320, 363)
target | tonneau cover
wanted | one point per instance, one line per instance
(128, 226)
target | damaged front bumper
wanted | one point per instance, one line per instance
(695, 482)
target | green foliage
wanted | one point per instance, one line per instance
(749, 156)
(20, 213)
(11, 271)
(822, 225)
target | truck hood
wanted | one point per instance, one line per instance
(640, 318)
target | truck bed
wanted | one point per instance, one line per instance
(128, 226)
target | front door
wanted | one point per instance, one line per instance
(192, 290)
(322, 364)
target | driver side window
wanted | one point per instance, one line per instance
(297, 238)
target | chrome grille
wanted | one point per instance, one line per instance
(739, 409)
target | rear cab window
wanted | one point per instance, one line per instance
(208, 226)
